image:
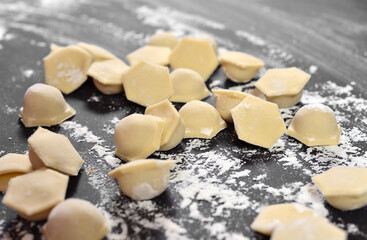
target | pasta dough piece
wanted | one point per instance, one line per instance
(98, 53)
(315, 228)
(258, 122)
(107, 75)
(240, 67)
(54, 47)
(206, 37)
(174, 129)
(137, 136)
(226, 100)
(152, 54)
(194, 54)
(344, 188)
(143, 179)
(257, 93)
(314, 125)
(283, 86)
(12, 165)
(201, 119)
(188, 85)
(52, 150)
(273, 216)
(66, 68)
(163, 39)
(75, 219)
(44, 105)
(147, 83)
(33, 195)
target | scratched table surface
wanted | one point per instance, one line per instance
(218, 186)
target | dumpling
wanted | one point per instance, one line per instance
(163, 39)
(226, 100)
(152, 54)
(98, 53)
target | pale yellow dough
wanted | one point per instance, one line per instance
(75, 219)
(163, 39)
(344, 188)
(201, 119)
(147, 84)
(240, 67)
(194, 54)
(206, 37)
(137, 136)
(107, 75)
(257, 93)
(226, 100)
(52, 150)
(143, 179)
(152, 54)
(12, 165)
(33, 195)
(314, 125)
(188, 85)
(174, 129)
(98, 53)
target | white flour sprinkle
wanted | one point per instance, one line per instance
(312, 69)
(10, 110)
(28, 73)
(255, 40)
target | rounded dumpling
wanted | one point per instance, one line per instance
(75, 219)
(44, 105)
(163, 39)
(314, 125)
(188, 85)
(201, 119)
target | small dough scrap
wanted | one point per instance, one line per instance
(52, 150)
(315, 228)
(273, 216)
(34, 194)
(107, 75)
(201, 119)
(283, 86)
(98, 53)
(226, 100)
(240, 67)
(143, 179)
(137, 136)
(147, 84)
(152, 54)
(174, 129)
(344, 188)
(188, 85)
(258, 122)
(163, 39)
(314, 125)
(75, 219)
(12, 165)
(44, 105)
(194, 54)
(66, 68)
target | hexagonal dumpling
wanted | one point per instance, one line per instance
(276, 215)
(315, 228)
(12, 165)
(314, 125)
(283, 86)
(52, 150)
(137, 136)
(258, 122)
(201, 119)
(75, 219)
(33, 195)
(44, 105)
(207, 37)
(163, 39)
(174, 129)
(194, 54)
(107, 75)
(98, 53)
(344, 188)
(226, 100)
(188, 85)
(240, 67)
(143, 179)
(147, 83)
(152, 54)
(66, 68)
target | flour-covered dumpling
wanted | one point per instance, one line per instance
(75, 219)
(201, 119)
(98, 53)
(163, 39)
(143, 179)
(44, 105)
(314, 125)
(226, 100)
(152, 54)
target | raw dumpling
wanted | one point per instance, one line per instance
(163, 39)
(151, 54)
(206, 37)
(226, 100)
(98, 53)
